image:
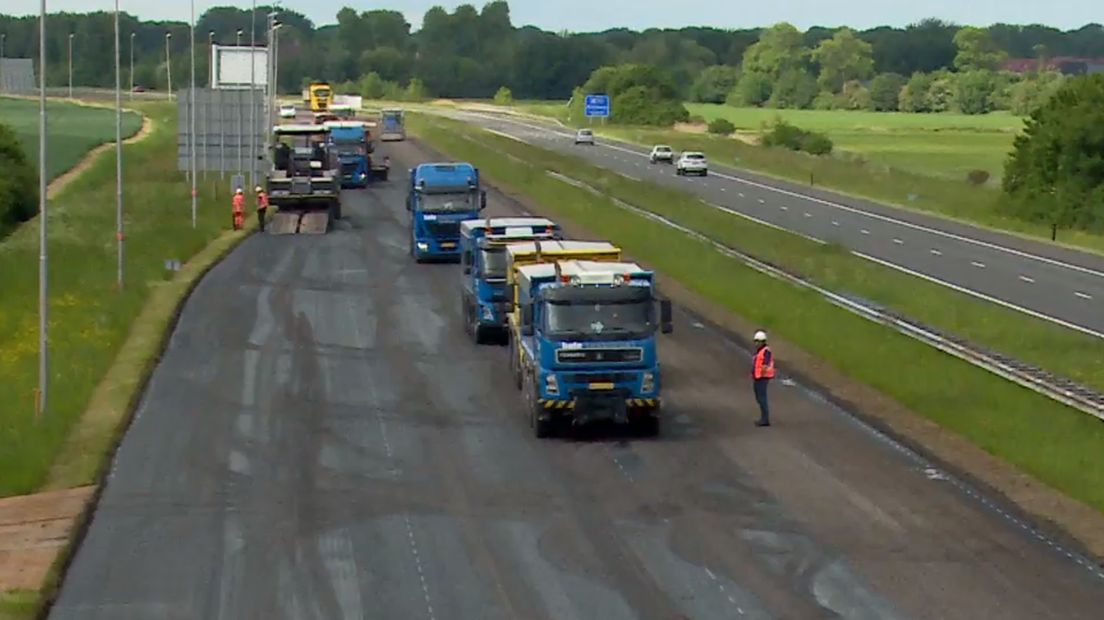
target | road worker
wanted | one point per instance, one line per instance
(761, 373)
(239, 209)
(262, 205)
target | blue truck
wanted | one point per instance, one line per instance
(587, 338)
(483, 242)
(441, 196)
(352, 140)
(392, 126)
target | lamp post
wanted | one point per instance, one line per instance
(71, 35)
(253, 96)
(192, 111)
(168, 62)
(119, 152)
(43, 307)
(241, 167)
(132, 66)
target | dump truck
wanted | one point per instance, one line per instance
(535, 252)
(353, 142)
(320, 95)
(587, 334)
(440, 196)
(483, 243)
(392, 126)
(305, 180)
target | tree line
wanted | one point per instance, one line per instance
(472, 52)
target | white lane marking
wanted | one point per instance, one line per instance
(761, 201)
(865, 231)
(955, 287)
(935, 252)
(977, 264)
(989, 298)
(877, 216)
(835, 223)
(740, 194)
(898, 241)
(807, 214)
(1027, 279)
(763, 222)
(1082, 295)
(629, 177)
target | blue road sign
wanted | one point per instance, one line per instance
(597, 106)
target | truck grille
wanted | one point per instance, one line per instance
(602, 377)
(349, 170)
(584, 356)
(443, 230)
(300, 186)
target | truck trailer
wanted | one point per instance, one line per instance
(587, 337)
(483, 243)
(440, 197)
(392, 125)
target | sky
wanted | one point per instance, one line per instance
(596, 15)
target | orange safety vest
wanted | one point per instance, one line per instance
(262, 201)
(764, 364)
(239, 203)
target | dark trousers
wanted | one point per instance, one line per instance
(260, 216)
(761, 398)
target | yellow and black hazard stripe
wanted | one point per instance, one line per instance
(570, 404)
(557, 404)
(642, 402)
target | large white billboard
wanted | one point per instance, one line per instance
(231, 64)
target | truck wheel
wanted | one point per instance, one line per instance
(541, 428)
(337, 211)
(465, 313)
(647, 424)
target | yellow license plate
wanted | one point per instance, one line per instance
(601, 386)
(448, 245)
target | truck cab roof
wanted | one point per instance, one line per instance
(344, 125)
(300, 130)
(563, 247)
(585, 272)
(505, 226)
(444, 174)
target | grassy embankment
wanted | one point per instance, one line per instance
(72, 130)
(1058, 445)
(915, 161)
(89, 319)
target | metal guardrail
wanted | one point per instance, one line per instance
(1061, 389)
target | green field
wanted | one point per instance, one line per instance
(944, 145)
(71, 130)
(89, 318)
(1054, 443)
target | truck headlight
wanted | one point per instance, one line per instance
(551, 385)
(647, 384)
(423, 246)
(488, 313)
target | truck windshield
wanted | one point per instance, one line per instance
(447, 203)
(494, 263)
(350, 147)
(597, 321)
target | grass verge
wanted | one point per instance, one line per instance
(1056, 444)
(72, 129)
(18, 605)
(89, 318)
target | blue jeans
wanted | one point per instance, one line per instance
(761, 398)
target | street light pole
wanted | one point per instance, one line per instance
(168, 62)
(119, 151)
(192, 114)
(43, 306)
(207, 102)
(253, 96)
(241, 146)
(71, 35)
(132, 66)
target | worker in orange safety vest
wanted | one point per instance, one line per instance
(262, 205)
(761, 373)
(239, 209)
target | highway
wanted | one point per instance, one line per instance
(1046, 281)
(320, 441)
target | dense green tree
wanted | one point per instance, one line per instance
(18, 184)
(973, 92)
(977, 51)
(714, 84)
(914, 96)
(1029, 94)
(780, 48)
(843, 58)
(795, 88)
(1055, 173)
(753, 89)
(885, 92)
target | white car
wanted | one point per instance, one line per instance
(692, 162)
(662, 152)
(584, 136)
(287, 111)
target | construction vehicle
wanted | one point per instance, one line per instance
(392, 126)
(354, 146)
(320, 95)
(587, 334)
(305, 180)
(536, 252)
(441, 196)
(483, 244)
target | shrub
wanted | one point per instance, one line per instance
(721, 127)
(885, 92)
(824, 101)
(641, 105)
(785, 135)
(794, 89)
(817, 144)
(977, 177)
(504, 96)
(18, 183)
(696, 119)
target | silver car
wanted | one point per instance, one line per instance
(692, 162)
(584, 136)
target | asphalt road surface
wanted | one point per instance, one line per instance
(321, 441)
(1050, 282)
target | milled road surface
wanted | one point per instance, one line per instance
(1058, 284)
(321, 441)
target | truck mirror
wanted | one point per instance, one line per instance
(482, 200)
(527, 319)
(666, 325)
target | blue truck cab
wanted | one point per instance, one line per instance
(483, 242)
(441, 196)
(588, 344)
(352, 142)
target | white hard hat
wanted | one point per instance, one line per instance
(760, 336)
(257, 189)
(239, 191)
